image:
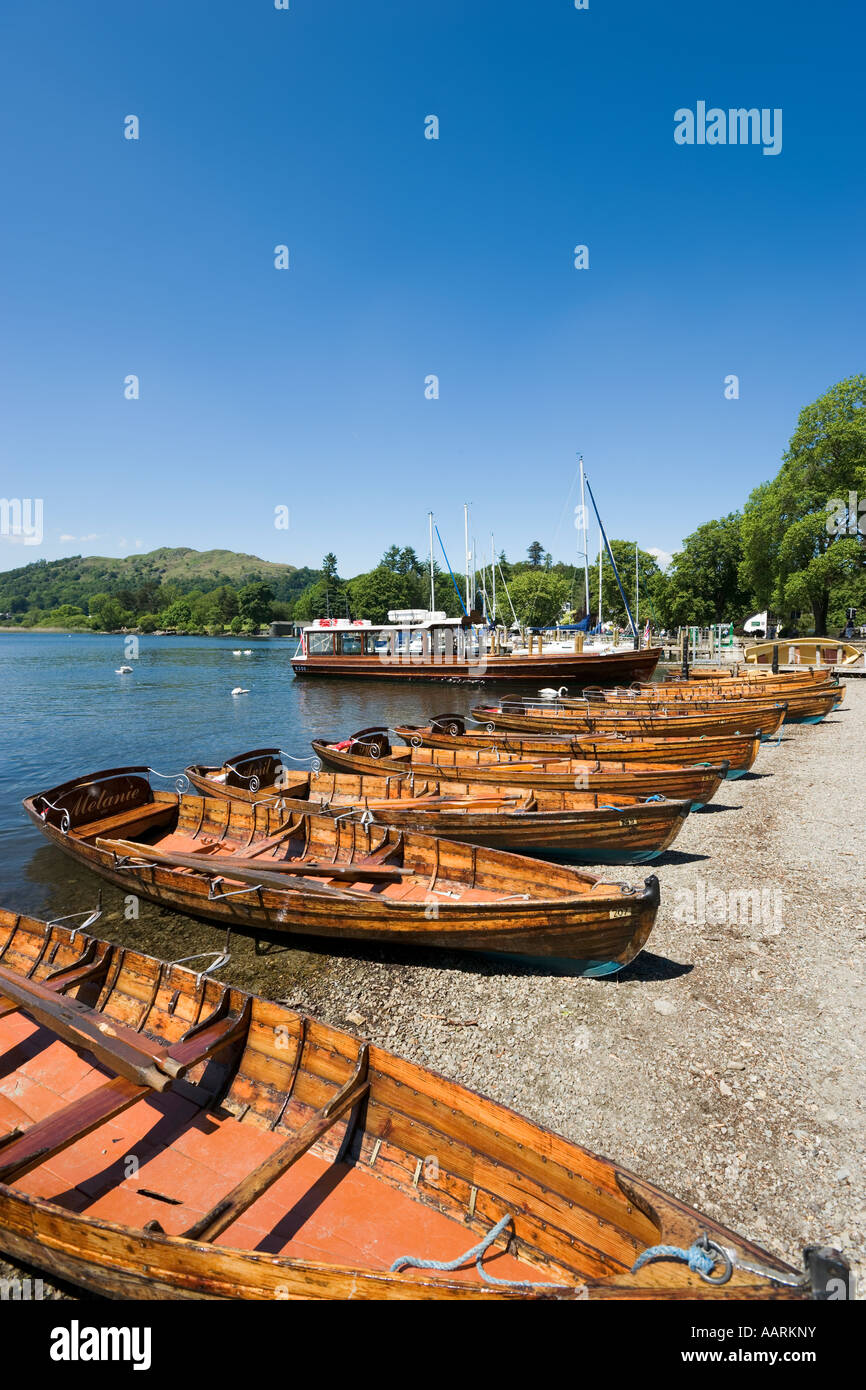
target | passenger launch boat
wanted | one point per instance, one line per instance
(578, 826)
(165, 1136)
(255, 866)
(430, 647)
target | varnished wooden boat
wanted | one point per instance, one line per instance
(746, 677)
(370, 750)
(533, 717)
(255, 866)
(578, 826)
(816, 651)
(803, 706)
(450, 731)
(165, 1136)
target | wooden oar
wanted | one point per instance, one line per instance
(81, 1026)
(230, 866)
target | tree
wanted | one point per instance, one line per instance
(796, 553)
(254, 604)
(535, 551)
(703, 583)
(107, 614)
(374, 594)
(538, 597)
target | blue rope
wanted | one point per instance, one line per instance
(475, 1254)
(699, 1260)
(657, 797)
(612, 808)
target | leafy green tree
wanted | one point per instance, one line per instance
(254, 603)
(372, 595)
(107, 614)
(703, 584)
(794, 554)
(538, 597)
(535, 551)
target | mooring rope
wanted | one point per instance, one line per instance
(699, 1259)
(475, 1254)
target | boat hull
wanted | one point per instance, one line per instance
(576, 670)
(530, 914)
(739, 752)
(572, 827)
(697, 784)
(330, 1218)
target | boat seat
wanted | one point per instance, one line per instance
(131, 822)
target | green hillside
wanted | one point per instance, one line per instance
(140, 584)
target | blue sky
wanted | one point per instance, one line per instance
(411, 257)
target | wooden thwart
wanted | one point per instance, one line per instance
(214, 1222)
(232, 866)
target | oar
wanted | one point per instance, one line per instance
(226, 865)
(81, 1026)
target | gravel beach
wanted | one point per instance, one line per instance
(727, 1064)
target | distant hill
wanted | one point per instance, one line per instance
(152, 578)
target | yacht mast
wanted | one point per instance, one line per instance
(432, 580)
(585, 552)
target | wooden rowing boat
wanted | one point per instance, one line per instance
(582, 827)
(370, 750)
(450, 731)
(745, 678)
(532, 717)
(165, 1136)
(256, 867)
(806, 706)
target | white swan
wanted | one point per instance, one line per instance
(239, 690)
(248, 651)
(123, 671)
(237, 653)
(548, 693)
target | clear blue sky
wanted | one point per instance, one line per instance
(410, 257)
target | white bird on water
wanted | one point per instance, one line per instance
(248, 651)
(548, 693)
(123, 671)
(238, 652)
(239, 690)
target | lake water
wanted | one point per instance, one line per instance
(64, 711)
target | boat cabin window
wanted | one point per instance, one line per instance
(320, 643)
(351, 643)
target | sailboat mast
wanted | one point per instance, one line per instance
(636, 589)
(466, 552)
(432, 580)
(599, 576)
(585, 552)
(493, 573)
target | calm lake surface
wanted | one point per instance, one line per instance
(64, 711)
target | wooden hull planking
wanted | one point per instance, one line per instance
(228, 1198)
